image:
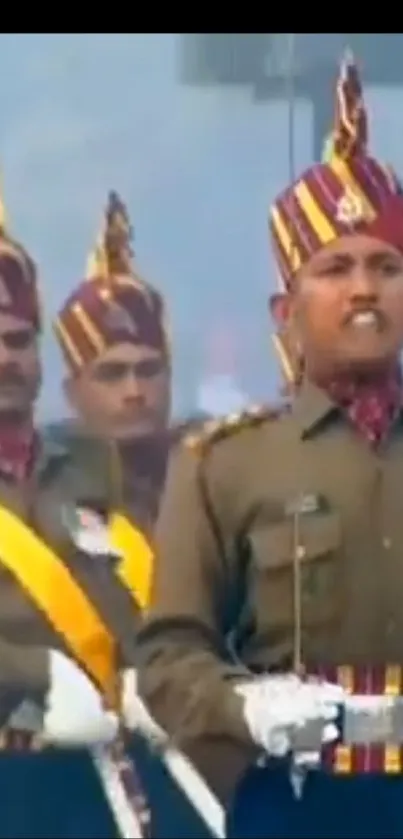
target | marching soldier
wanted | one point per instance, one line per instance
(113, 333)
(114, 337)
(63, 628)
(272, 650)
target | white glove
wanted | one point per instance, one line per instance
(278, 707)
(74, 713)
(135, 713)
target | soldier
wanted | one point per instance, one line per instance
(113, 333)
(275, 621)
(58, 620)
(114, 336)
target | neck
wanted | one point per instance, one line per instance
(144, 455)
(18, 447)
(361, 377)
(143, 466)
(13, 422)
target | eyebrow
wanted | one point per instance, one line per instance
(346, 256)
(382, 256)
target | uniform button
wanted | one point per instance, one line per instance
(387, 543)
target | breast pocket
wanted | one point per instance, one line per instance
(309, 567)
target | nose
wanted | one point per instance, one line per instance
(132, 386)
(363, 285)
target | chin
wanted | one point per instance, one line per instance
(135, 431)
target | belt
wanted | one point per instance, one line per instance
(371, 720)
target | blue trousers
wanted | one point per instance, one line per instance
(330, 807)
(52, 796)
(172, 816)
(57, 795)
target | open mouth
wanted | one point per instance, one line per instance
(366, 320)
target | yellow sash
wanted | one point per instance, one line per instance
(52, 588)
(135, 569)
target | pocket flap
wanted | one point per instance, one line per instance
(274, 546)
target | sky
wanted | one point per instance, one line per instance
(82, 114)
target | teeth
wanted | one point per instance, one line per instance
(364, 319)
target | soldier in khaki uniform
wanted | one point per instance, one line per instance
(66, 622)
(113, 333)
(272, 650)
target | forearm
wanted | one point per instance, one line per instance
(187, 687)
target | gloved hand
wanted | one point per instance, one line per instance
(74, 714)
(278, 708)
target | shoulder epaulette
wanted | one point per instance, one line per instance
(213, 431)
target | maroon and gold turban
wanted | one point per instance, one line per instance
(349, 192)
(113, 304)
(18, 279)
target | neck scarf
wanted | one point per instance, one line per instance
(371, 406)
(17, 452)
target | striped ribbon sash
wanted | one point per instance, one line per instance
(357, 754)
(12, 740)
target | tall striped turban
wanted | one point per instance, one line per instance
(348, 192)
(113, 304)
(18, 279)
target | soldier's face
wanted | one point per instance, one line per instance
(347, 307)
(125, 394)
(20, 369)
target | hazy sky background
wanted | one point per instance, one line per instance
(198, 168)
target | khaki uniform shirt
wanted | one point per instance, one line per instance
(263, 519)
(66, 477)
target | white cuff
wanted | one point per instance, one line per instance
(75, 715)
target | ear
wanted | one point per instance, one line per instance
(280, 309)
